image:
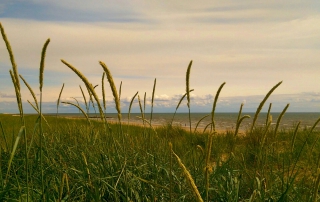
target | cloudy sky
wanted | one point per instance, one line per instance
(250, 45)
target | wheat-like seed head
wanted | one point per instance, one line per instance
(13, 63)
(113, 88)
(31, 91)
(103, 93)
(144, 101)
(215, 104)
(187, 176)
(131, 104)
(88, 85)
(153, 91)
(120, 88)
(58, 102)
(188, 83)
(18, 95)
(152, 99)
(43, 55)
(240, 111)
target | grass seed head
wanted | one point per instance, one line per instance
(43, 55)
(188, 83)
(113, 88)
(88, 85)
(13, 63)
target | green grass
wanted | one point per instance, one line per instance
(53, 158)
(83, 163)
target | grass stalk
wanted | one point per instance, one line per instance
(268, 114)
(31, 91)
(37, 110)
(16, 82)
(141, 111)
(113, 89)
(80, 109)
(43, 55)
(152, 99)
(188, 91)
(261, 105)
(239, 113)
(187, 175)
(200, 122)
(4, 137)
(88, 85)
(213, 127)
(294, 136)
(120, 88)
(103, 92)
(239, 123)
(41, 71)
(279, 119)
(18, 95)
(208, 155)
(131, 102)
(13, 63)
(58, 101)
(178, 105)
(21, 131)
(85, 100)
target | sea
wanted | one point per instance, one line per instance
(223, 121)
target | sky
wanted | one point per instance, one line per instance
(250, 45)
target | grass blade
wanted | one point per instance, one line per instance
(21, 131)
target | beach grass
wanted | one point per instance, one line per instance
(93, 163)
(94, 160)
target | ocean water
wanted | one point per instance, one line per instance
(223, 121)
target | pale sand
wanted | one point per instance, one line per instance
(187, 128)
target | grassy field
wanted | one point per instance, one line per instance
(86, 163)
(53, 158)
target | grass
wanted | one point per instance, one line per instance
(93, 160)
(83, 163)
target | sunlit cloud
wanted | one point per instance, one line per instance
(249, 45)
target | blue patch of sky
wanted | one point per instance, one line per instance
(45, 12)
(51, 78)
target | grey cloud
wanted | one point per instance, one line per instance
(247, 56)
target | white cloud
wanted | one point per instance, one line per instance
(249, 45)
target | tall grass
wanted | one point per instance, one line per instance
(94, 164)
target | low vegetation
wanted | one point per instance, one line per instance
(53, 158)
